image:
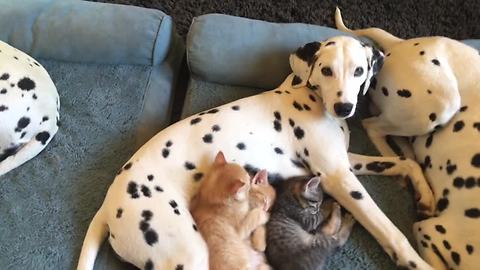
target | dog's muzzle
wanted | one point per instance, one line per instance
(343, 109)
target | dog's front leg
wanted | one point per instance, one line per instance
(349, 192)
(377, 130)
(369, 165)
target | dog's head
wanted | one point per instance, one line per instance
(336, 69)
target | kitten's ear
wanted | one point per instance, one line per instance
(261, 178)
(220, 159)
(238, 189)
(311, 189)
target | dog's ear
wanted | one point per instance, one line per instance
(375, 62)
(302, 62)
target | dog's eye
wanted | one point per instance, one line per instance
(358, 72)
(326, 71)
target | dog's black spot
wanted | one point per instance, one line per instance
(469, 249)
(150, 177)
(291, 122)
(385, 91)
(195, 227)
(4, 77)
(446, 192)
(339, 93)
(169, 143)
(26, 84)
(307, 52)
(235, 107)
(432, 117)
(470, 182)
(297, 106)
(472, 213)
(23, 135)
(388, 54)
(34, 96)
(119, 212)
(195, 120)
(278, 150)
(241, 146)
(305, 152)
(132, 189)
(179, 267)
(208, 138)
(297, 163)
(422, 52)
(151, 237)
(176, 211)
(477, 125)
(429, 91)
(451, 168)
(463, 108)
(127, 166)
(357, 166)
(306, 107)
(147, 215)
(442, 204)
(446, 244)
(436, 62)
(458, 182)
(3, 91)
(312, 98)
(197, 176)
(439, 255)
(412, 264)
(278, 92)
(215, 128)
(144, 226)
(429, 140)
(458, 126)
(45, 118)
(3, 108)
(277, 115)
(299, 133)
(456, 257)
(165, 152)
(277, 125)
(158, 188)
(43, 137)
(476, 160)
(378, 166)
(426, 236)
(146, 191)
(416, 44)
(189, 165)
(440, 229)
(212, 111)
(296, 80)
(148, 265)
(404, 93)
(424, 244)
(357, 195)
(22, 123)
(173, 204)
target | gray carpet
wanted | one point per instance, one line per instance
(453, 18)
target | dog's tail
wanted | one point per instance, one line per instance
(381, 37)
(97, 231)
(16, 156)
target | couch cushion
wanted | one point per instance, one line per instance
(239, 51)
(82, 31)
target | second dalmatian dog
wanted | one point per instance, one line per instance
(429, 90)
(29, 108)
(295, 129)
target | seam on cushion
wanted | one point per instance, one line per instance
(154, 48)
(163, 23)
(142, 110)
(188, 42)
(34, 26)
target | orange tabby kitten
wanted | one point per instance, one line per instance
(262, 194)
(223, 216)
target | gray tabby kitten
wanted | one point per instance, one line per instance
(299, 237)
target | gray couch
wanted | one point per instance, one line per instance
(115, 68)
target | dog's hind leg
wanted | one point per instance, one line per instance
(377, 130)
(370, 165)
(342, 185)
(27, 151)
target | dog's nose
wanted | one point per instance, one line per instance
(343, 109)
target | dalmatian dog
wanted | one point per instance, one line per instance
(295, 129)
(429, 90)
(29, 108)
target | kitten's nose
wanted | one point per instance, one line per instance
(343, 109)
